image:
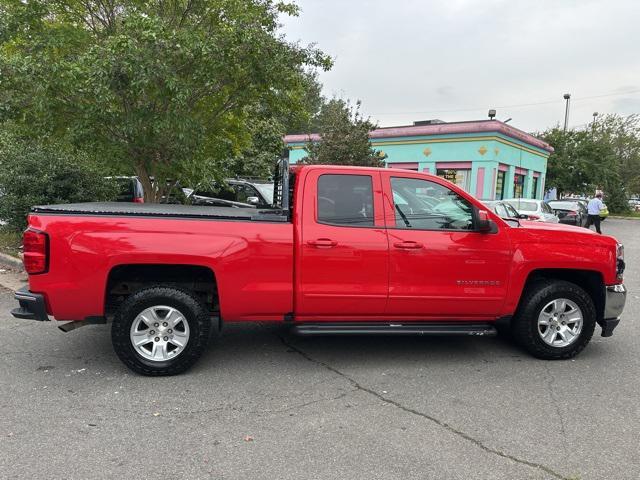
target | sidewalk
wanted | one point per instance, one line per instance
(12, 274)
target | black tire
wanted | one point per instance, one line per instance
(525, 322)
(194, 312)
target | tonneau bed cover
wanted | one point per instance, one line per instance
(161, 210)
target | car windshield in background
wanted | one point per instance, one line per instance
(523, 205)
(266, 189)
(511, 211)
(564, 205)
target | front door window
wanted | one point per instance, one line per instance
(426, 205)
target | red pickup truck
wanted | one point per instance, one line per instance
(347, 251)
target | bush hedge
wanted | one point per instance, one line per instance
(40, 174)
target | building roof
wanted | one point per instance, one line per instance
(452, 128)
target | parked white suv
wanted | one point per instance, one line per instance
(537, 210)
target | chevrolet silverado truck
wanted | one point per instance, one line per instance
(343, 251)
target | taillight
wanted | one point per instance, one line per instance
(620, 265)
(36, 251)
(534, 217)
(138, 200)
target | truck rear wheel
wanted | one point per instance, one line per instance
(160, 331)
(555, 320)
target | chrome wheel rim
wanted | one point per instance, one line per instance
(159, 333)
(560, 322)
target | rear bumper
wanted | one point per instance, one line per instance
(32, 306)
(615, 299)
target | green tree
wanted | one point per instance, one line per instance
(604, 155)
(344, 137)
(165, 89)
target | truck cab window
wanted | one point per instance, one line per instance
(345, 200)
(426, 205)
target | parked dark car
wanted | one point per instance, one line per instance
(504, 210)
(129, 189)
(236, 193)
(571, 212)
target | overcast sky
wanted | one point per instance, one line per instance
(454, 59)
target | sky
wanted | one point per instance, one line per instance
(453, 60)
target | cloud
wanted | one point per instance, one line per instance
(425, 58)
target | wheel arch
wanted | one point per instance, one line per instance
(591, 281)
(123, 280)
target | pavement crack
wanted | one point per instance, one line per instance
(556, 405)
(412, 411)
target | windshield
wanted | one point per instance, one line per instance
(266, 189)
(523, 205)
(564, 205)
(511, 211)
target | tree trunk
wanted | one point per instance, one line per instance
(150, 194)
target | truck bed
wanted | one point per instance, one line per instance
(162, 210)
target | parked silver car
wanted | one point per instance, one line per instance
(537, 210)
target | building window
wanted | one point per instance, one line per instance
(518, 185)
(500, 185)
(534, 188)
(460, 177)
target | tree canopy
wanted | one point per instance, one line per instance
(165, 89)
(344, 137)
(604, 155)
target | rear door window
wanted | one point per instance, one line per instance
(345, 200)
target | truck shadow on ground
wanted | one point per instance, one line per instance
(251, 345)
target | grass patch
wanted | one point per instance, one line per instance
(10, 242)
(627, 214)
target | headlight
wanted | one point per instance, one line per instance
(619, 260)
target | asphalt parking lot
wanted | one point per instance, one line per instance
(265, 404)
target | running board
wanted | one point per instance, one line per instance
(410, 328)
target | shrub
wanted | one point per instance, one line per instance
(37, 174)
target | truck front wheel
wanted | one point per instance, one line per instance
(555, 320)
(160, 331)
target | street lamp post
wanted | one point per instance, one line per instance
(593, 125)
(567, 97)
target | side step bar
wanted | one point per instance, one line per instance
(386, 328)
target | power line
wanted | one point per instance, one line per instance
(547, 102)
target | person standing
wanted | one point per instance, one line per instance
(593, 209)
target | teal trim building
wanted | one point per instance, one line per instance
(488, 158)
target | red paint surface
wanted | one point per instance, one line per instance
(266, 270)
(503, 168)
(521, 171)
(536, 174)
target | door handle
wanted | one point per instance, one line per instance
(322, 243)
(408, 245)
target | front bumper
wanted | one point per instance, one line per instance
(615, 298)
(32, 306)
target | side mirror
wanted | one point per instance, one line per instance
(253, 200)
(483, 222)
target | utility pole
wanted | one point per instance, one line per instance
(567, 97)
(593, 125)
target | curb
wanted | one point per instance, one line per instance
(11, 261)
(619, 217)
